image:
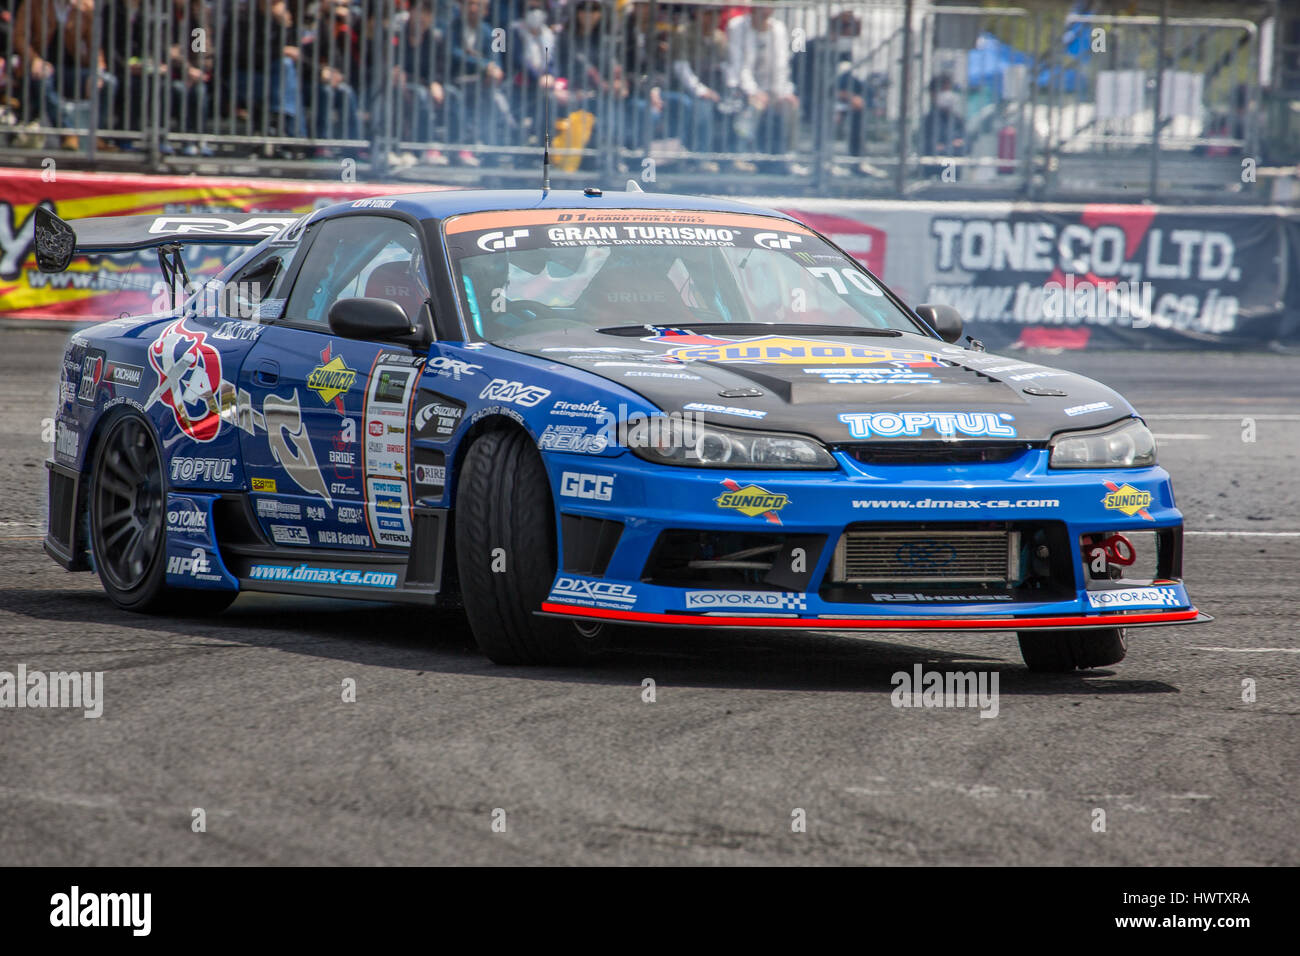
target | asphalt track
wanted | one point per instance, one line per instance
(243, 715)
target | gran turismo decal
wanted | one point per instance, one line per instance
(189, 380)
(498, 240)
(1135, 597)
(1127, 500)
(331, 379)
(944, 424)
(746, 601)
(752, 501)
(787, 350)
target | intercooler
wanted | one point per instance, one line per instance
(950, 557)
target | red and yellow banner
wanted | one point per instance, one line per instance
(104, 288)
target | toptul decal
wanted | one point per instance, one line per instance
(189, 380)
(945, 424)
(785, 350)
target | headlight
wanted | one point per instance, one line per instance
(1127, 445)
(669, 440)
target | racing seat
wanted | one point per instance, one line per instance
(396, 282)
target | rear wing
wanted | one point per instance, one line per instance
(57, 241)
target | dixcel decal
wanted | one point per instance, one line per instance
(752, 501)
(945, 424)
(572, 590)
(746, 601)
(189, 380)
(1127, 500)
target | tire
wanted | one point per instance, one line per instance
(128, 526)
(1059, 652)
(504, 501)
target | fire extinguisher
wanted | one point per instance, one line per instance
(1006, 148)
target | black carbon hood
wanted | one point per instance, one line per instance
(838, 386)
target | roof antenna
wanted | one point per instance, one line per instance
(546, 133)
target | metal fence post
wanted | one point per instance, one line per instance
(904, 89)
(1153, 189)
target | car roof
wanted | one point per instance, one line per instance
(440, 204)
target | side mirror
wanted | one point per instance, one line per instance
(944, 319)
(369, 319)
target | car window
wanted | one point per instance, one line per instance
(359, 256)
(556, 268)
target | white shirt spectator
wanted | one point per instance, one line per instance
(759, 59)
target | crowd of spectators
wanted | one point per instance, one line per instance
(436, 81)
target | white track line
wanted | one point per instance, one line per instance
(1249, 650)
(1246, 534)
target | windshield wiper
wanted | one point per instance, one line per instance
(783, 328)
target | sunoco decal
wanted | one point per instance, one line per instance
(786, 350)
(752, 501)
(1127, 500)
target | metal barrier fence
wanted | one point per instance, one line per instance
(859, 97)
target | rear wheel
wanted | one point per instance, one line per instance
(127, 524)
(1063, 651)
(506, 555)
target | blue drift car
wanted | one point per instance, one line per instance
(569, 412)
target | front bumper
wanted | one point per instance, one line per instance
(632, 503)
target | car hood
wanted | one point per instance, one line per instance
(836, 386)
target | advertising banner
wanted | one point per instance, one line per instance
(103, 287)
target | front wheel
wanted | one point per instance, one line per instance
(506, 556)
(127, 524)
(1057, 652)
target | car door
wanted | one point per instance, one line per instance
(327, 444)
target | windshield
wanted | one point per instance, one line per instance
(532, 270)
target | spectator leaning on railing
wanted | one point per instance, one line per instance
(58, 63)
(329, 62)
